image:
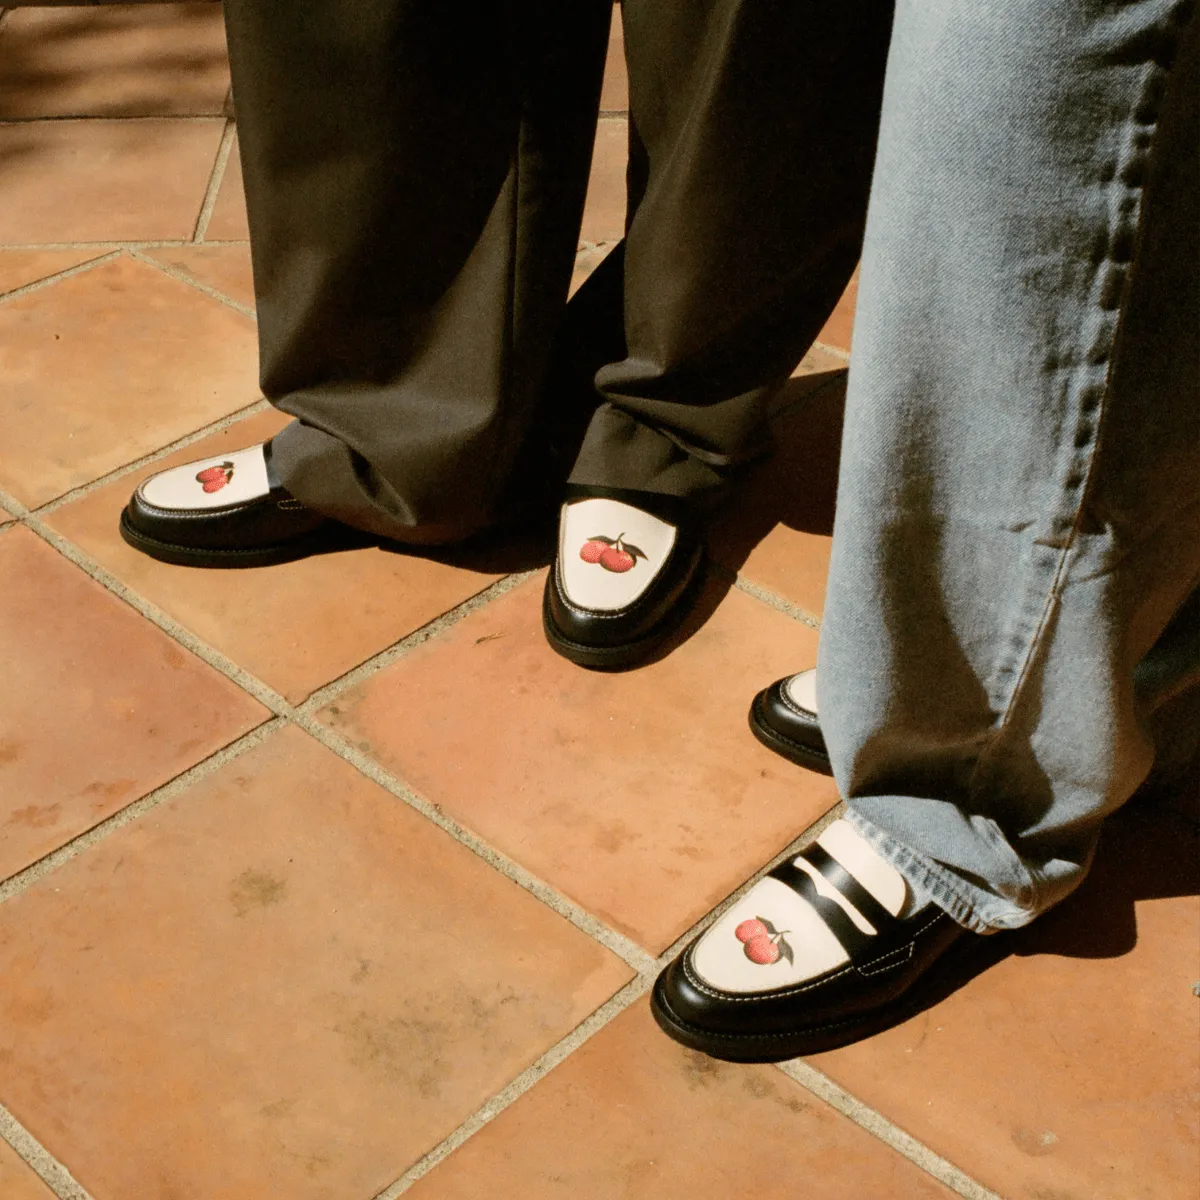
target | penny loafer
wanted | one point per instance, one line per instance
(623, 578)
(784, 718)
(789, 971)
(226, 511)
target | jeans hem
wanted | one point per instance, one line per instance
(971, 907)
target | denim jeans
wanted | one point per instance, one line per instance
(1013, 614)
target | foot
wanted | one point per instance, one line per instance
(825, 950)
(227, 511)
(622, 582)
(784, 717)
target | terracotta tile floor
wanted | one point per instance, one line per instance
(277, 921)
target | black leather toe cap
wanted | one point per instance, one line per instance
(778, 722)
(271, 528)
(628, 635)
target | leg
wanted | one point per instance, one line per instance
(415, 182)
(1019, 506)
(1013, 596)
(749, 172)
(750, 167)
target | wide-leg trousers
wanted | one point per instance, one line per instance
(415, 175)
(1012, 632)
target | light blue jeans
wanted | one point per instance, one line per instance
(1012, 632)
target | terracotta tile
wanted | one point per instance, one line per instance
(283, 983)
(1068, 1070)
(17, 1181)
(105, 366)
(225, 268)
(295, 626)
(98, 706)
(614, 96)
(604, 211)
(776, 533)
(21, 267)
(99, 181)
(631, 1114)
(641, 794)
(120, 60)
(840, 325)
(818, 362)
(229, 222)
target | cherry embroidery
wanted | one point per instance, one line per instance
(613, 554)
(215, 478)
(762, 943)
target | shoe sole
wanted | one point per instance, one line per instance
(627, 654)
(793, 751)
(776, 1047)
(260, 556)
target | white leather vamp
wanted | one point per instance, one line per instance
(609, 552)
(793, 943)
(802, 690)
(721, 959)
(208, 483)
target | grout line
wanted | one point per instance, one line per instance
(836, 351)
(110, 118)
(16, 884)
(623, 947)
(886, 1131)
(136, 243)
(51, 1172)
(214, 182)
(184, 277)
(528, 1078)
(265, 695)
(12, 506)
(129, 468)
(777, 602)
(356, 675)
(47, 280)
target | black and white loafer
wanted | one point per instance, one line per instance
(784, 718)
(228, 511)
(623, 580)
(826, 949)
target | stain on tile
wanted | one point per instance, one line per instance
(162, 1040)
(631, 1114)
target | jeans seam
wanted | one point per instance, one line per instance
(1112, 277)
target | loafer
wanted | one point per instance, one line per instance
(784, 718)
(226, 511)
(821, 952)
(623, 578)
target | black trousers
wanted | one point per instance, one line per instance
(415, 177)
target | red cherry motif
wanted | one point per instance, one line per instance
(215, 478)
(762, 943)
(747, 931)
(617, 556)
(763, 951)
(617, 559)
